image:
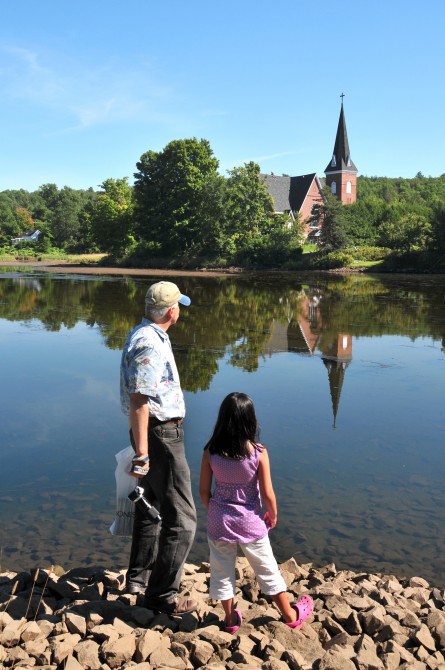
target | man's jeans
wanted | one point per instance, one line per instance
(159, 550)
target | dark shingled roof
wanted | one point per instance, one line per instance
(341, 149)
(288, 193)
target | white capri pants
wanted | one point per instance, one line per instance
(260, 556)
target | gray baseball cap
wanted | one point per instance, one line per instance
(165, 294)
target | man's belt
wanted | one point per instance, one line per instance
(153, 422)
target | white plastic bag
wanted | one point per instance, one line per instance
(125, 483)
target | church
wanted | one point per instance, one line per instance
(296, 196)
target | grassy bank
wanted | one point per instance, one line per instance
(26, 256)
(362, 259)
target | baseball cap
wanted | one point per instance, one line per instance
(165, 294)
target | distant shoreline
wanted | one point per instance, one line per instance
(81, 268)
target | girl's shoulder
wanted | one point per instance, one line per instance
(258, 446)
(259, 452)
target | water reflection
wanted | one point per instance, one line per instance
(360, 354)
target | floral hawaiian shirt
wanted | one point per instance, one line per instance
(148, 367)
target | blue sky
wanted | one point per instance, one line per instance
(87, 87)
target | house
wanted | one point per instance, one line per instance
(27, 237)
(298, 195)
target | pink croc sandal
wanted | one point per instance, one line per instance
(304, 608)
(233, 629)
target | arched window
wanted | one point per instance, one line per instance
(334, 188)
(348, 187)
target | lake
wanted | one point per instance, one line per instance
(347, 373)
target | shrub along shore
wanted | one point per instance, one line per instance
(83, 618)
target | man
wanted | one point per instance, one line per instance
(152, 397)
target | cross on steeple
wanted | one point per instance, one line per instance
(342, 96)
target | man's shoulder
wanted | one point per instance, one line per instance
(139, 333)
(145, 335)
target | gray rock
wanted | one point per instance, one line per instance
(390, 661)
(76, 623)
(336, 659)
(87, 653)
(62, 646)
(147, 643)
(423, 637)
(373, 619)
(40, 650)
(73, 664)
(273, 650)
(18, 657)
(164, 658)
(84, 620)
(118, 652)
(11, 633)
(5, 618)
(30, 631)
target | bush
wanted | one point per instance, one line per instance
(272, 250)
(333, 260)
(366, 253)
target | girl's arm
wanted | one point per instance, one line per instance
(205, 479)
(266, 490)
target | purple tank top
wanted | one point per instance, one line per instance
(235, 513)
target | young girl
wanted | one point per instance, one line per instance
(242, 473)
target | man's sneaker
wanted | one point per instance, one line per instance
(175, 607)
(135, 588)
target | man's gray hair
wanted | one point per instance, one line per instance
(157, 314)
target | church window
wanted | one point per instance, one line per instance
(348, 187)
(333, 161)
(334, 188)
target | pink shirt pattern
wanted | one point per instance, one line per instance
(235, 513)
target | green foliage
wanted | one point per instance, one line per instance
(438, 226)
(334, 260)
(111, 217)
(366, 253)
(412, 191)
(408, 233)
(249, 205)
(331, 214)
(168, 190)
(182, 213)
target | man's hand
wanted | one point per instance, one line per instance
(140, 465)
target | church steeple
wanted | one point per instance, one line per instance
(337, 355)
(341, 173)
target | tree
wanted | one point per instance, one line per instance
(168, 191)
(9, 225)
(249, 205)
(111, 216)
(64, 213)
(438, 227)
(25, 219)
(331, 214)
(253, 233)
(410, 232)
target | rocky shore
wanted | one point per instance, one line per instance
(84, 619)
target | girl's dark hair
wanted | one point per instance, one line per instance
(235, 427)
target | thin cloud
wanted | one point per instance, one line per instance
(269, 157)
(83, 97)
(257, 159)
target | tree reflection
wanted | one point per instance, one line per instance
(240, 319)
